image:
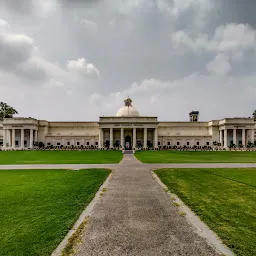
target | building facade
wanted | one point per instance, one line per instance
(127, 129)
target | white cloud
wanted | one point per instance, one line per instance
(20, 56)
(15, 48)
(219, 65)
(230, 38)
(90, 25)
(173, 99)
(176, 8)
(17, 53)
(4, 25)
(82, 67)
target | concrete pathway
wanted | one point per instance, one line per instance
(56, 166)
(136, 217)
(114, 166)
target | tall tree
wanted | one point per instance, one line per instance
(6, 111)
(254, 115)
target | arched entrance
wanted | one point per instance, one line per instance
(128, 142)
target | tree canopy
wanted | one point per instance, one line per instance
(254, 115)
(6, 111)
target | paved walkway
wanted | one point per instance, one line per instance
(114, 166)
(136, 217)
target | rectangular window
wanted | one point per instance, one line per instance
(78, 143)
(159, 143)
(58, 144)
(207, 143)
(178, 143)
(16, 143)
(168, 143)
(188, 143)
(198, 143)
(96, 143)
(88, 143)
(68, 143)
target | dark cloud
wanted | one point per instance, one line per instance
(23, 7)
(234, 11)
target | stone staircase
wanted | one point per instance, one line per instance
(127, 151)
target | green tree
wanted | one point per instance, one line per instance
(254, 115)
(6, 111)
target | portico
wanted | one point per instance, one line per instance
(19, 136)
(231, 133)
(127, 136)
(128, 130)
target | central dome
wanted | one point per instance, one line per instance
(128, 109)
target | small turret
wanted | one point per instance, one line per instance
(193, 116)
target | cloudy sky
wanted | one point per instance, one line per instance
(78, 59)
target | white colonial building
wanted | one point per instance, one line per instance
(126, 129)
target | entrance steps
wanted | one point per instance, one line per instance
(128, 151)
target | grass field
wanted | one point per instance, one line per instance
(225, 199)
(196, 156)
(60, 157)
(38, 207)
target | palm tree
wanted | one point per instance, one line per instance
(254, 115)
(6, 111)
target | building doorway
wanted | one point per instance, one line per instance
(107, 143)
(128, 142)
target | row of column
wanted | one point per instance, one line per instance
(235, 137)
(134, 137)
(9, 137)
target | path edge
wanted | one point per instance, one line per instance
(199, 226)
(87, 212)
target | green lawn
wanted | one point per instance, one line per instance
(60, 157)
(196, 156)
(225, 199)
(38, 207)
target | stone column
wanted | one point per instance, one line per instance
(31, 139)
(36, 136)
(134, 139)
(156, 138)
(22, 138)
(234, 137)
(243, 137)
(111, 144)
(122, 137)
(100, 145)
(225, 138)
(145, 138)
(252, 136)
(13, 138)
(4, 138)
(9, 139)
(221, 138)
